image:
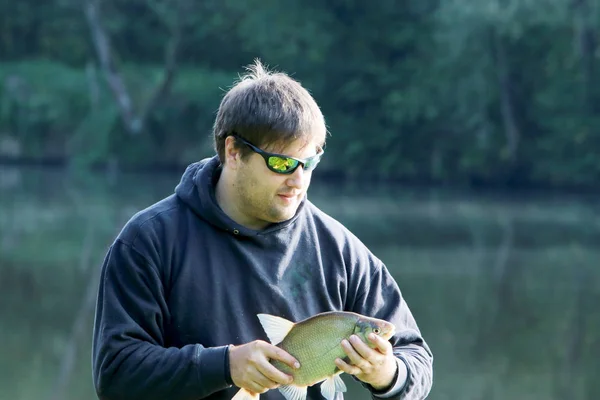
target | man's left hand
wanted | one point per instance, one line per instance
(375, 366)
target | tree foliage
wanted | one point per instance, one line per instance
(460, 91)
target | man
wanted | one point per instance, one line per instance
(184, 280)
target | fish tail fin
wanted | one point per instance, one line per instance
(243, 394)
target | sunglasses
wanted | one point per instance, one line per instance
(283, 164)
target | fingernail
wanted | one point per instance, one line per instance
(297, 364)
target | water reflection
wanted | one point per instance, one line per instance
(505, 288)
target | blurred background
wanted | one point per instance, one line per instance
(464, 150)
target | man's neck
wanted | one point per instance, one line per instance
(226, 201)
(223, 194)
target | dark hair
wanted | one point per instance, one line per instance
(267, 108)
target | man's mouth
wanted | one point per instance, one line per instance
(287, 197)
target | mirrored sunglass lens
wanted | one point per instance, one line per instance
(282, 164)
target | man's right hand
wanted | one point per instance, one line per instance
(251, 369)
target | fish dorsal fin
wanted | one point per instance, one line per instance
(276, 328)
(331, 386)
(291, 392)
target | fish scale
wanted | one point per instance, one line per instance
(316, 343)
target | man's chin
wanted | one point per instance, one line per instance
(283, 214)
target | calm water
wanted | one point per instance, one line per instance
(506, 289)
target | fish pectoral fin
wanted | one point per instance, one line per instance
(276, 328)
(331, 386)
(243, 394)
(291, 392)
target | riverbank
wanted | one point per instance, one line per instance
(325, 174)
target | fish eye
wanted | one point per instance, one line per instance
(377, 331)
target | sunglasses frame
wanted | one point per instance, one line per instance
(266, 155)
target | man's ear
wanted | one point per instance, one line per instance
(232, 154)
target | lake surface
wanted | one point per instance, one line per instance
(506, 289)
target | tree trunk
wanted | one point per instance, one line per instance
(507, 107)
(134, 122)
(587, 43)
(107, 64)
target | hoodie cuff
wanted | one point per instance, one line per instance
(213, 369)
(228, 367)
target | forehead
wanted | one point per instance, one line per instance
(301, 147)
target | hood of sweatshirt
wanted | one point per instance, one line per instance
(196, 190)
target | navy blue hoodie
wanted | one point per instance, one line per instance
(182, 281)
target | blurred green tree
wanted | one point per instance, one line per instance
(462, 91)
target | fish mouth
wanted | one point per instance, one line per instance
(390, 331)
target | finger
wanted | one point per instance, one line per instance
(347, 368)
(276, 353)
(270, 372)
(256, 387)
(384, 346)
(362, 348)
(263, 380)
(355, 358)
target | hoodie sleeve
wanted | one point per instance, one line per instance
(129, 357)
(378, 295)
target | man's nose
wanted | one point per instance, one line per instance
(298, 178)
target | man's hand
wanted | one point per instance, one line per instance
(251, 369)
(377, 366)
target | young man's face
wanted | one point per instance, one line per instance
(264, 196)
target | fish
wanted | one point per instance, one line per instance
(316, 343)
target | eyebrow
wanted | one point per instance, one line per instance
(319, 150)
